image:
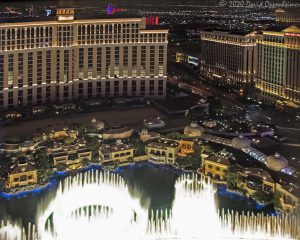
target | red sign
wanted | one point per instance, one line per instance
(292, 34)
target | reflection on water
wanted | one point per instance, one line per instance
(156, 185)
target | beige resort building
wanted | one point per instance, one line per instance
(67, 59)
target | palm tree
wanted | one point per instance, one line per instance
(116, 162)
(130, 160)
(2, 184)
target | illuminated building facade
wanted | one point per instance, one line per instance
(278, 73)
(288, 17)
(228, 57)
(67, 59)
(216, 167)
(116, 153)
(23, 173)
(162, 151)
(72, 158)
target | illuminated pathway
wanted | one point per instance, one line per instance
(252, 152)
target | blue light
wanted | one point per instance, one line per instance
(110, 9)
(53, 182)
(48, 12)
(58, 176)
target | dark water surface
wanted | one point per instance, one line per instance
(155, 184)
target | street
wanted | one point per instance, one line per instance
(130, 117)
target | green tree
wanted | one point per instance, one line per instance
(85, 162)
(93, 143)
(42, 160)
(233, 177)
(46, 174)
(69, 140)
(195, 158)
(209, 149)
(130, 160)
(2, 184)
(5, 162)
(262, 196)
(81, 129)
(276, 200)
(116, 163)
(95, 157)
(61, 167)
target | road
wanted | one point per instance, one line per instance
(191, 79)
(130, 117)
(110, 117)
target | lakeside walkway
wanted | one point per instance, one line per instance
(130, 117)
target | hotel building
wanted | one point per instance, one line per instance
(162, 151)
(287, 17)
(278, 72)
(67, 59)
(228, 57)
(116, 153)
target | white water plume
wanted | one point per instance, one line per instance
(98, 204)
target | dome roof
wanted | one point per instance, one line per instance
(193, 130)
(240, 142)
(100, 125)
(276, 162)
(210, 123)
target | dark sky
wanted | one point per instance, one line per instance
(96, 3)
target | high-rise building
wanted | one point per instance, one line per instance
(278, 71)
(67, 59)
(288, 17)
(228, 57)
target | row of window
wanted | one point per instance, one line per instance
(36, 37)
(91, 89)
(64, 65)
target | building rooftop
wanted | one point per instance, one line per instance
(283, 28)
(290, 11)
(232, 32)
(114, 147)
(293, 189)
(217, 159)
(276, 162)
(193, 130)
(9, 147)
(259, 173)
(62, 153)
(117, 130)
(156, 120)
(22, 165)
(240, 142)
(163, 144)
(52, 20)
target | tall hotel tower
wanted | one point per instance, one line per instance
(228, 57)
(278, 71)
(67, 59)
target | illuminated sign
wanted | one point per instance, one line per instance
(292, 34)
(193, 60)
(65, 18)
(66, 14)
(48, 12)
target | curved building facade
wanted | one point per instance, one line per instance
(66, 59)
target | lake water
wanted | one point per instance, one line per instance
(155, 183)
